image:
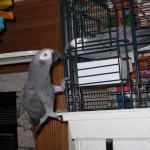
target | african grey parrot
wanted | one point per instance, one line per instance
(39, 92)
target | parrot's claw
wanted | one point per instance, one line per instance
(42, 120)
(59, 118)
(49, 114)
(62, 87)
(53, 115)
(63, 82)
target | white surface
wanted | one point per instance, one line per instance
(131, 144)
(101, 72)
(87, 144)
(129, 129)
(118, 124)
(17, 57)
(70, 142)
(18, 54)
(96, 144)
(16, 60)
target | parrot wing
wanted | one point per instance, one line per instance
(33, 106)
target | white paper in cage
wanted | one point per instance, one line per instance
(106, 72)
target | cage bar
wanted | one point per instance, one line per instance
(107, 53)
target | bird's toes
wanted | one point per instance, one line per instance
(59, 118)
(63, 82)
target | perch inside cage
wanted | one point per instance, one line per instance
(107, 49)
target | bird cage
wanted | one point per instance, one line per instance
(107, 53)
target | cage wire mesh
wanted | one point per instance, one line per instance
(107, 53)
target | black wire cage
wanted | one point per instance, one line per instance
(107, 53)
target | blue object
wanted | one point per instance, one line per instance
(1, 23)
(119, 100)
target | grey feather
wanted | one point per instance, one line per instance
(39, 92)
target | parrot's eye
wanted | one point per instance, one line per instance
(45, 54)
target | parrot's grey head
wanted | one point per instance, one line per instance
(45, 58)
(49, 55)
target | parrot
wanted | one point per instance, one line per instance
(39, 93)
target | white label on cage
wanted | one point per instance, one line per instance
(99, 63)
(101, 72)
(98, 70)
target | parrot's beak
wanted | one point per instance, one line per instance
(56, 55)
(61, 57)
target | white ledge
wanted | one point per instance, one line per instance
(116, 124)
(107, 114)
(17, 57)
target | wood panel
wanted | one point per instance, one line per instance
(37, 26)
